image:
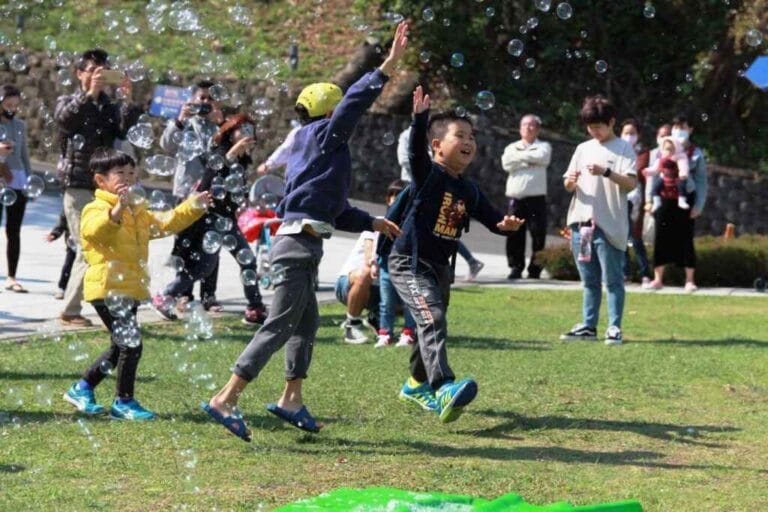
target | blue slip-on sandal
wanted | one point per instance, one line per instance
(234, 424)
(299, 419)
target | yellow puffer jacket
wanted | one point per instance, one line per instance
(117, 254)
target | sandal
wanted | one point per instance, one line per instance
(213, 307)
(299, 419)
(233, 423)
(16, 288)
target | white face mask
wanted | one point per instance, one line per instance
(659, 141)
(681, 135)
(631, 138)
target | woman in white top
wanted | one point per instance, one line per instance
(601, 173)
(15, 154)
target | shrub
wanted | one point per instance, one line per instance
(720, 262)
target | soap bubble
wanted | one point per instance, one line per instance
(428, 15)
(158, 200)
(229, 242)
(543, 5)
(457, 60)
(704, 117)
(175, 262)
(753, 37)
(7, 196)
(490, 12)
(532, 23)
(262, 107)
(240, 14)
(78, 141)
(244, 256)
(515, 47)
(105, 367)
(141, 135)
(523, 29)
(530, 63)
(249, 277)
(277, 273)
(211, 242)
(216, 162)
(160, 165)
(34, 186)
(564, 10)
(182, 17)
(601, 66)
(446, 22)
(64, 77)
(218, 190)
(18, 62)
(233, 183)
(516, 74)
(218, 92)
(424, 56)
(136, 194)
(485, 100)
(223, 224)
(649, 11)
(388, 138)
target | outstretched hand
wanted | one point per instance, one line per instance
(510, 223)
(420, 101)
(399, 45)
(386, 227)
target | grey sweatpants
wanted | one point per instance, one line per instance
(293, 317)
(426, 294)
(75, 199)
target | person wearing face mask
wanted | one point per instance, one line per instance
(675, 225)
(15, 155)
(630, 132)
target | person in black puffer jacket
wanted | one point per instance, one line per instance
(232, 145)
(87, 119)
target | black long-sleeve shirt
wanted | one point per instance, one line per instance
(436, 220)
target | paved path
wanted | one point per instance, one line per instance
(27, 314)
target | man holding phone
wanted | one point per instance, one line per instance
(198, 122)
(87, 119)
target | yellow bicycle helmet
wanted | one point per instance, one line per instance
(319, 99)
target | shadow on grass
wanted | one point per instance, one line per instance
(5, 375)
(686, 434)
(11, 468)
(727, 342)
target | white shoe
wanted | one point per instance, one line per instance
(613, 336)
(383, 340)
(406, 340)
(690, 287)
(645, 281)
(355, 333)
(682, 203)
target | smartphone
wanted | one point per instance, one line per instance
(247, 130)
(112, 76)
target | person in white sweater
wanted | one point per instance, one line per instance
(526, 161)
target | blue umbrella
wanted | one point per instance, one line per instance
(758, 73)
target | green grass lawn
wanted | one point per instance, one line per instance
(677, 417)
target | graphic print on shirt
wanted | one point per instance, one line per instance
(450, 218)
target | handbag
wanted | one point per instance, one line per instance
(649, 229)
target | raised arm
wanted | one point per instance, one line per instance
(181, 217)
(418, 151)
(354, 220)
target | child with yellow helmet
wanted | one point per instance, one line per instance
(317, 179)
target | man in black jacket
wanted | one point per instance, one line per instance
(87, 119)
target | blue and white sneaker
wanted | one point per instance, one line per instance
(452, 397)
(83, 400)
(130, 410)
(422, 395)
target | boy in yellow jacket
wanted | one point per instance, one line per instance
(115, 230)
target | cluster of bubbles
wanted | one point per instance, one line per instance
(141, 134)
(125, 326)
(85, 429)
(198, 325)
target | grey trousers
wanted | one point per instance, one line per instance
(426, 295)
(293, 316)
(75, 200)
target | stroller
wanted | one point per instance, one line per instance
(259, 223)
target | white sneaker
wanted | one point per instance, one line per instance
(682, 203)
(613, 336)
(383, 340)
(406, 340)
(355, 333)
(690, 287)
(645, 281)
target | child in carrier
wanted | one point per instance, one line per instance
(670, 174)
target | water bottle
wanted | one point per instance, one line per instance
(585, 244)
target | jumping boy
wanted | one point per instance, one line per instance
(442, 201)
(315, 202)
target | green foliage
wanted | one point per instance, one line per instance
(685, 58)
(719, 262)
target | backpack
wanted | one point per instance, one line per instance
(406, 200)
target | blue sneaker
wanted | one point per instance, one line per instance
(83, 400)
(423, 395)
(453, 397)
(130, 410)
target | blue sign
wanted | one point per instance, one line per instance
(167, 101)
(758, 73)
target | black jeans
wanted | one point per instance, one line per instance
(66, 269)
(13, 230)
(207, 284)
(534, 210)
(125, 359)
